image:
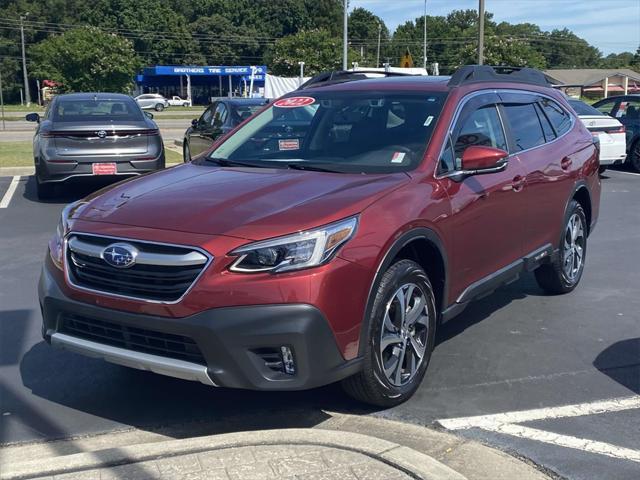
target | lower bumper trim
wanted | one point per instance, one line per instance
(141, 361)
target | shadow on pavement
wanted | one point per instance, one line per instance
(153, 402)
(621, 362)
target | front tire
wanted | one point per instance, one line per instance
(186, 151)
(159, 107)
(400, 338)
(602, 169)
(563, 274)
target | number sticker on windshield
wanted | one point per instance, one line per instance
(294, 102)
(289, 144)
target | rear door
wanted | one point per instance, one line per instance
(197, 141)
(488, 210)
(627, 111)
(538, 128)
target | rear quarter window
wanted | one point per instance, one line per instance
(559, 118)
(525, 125)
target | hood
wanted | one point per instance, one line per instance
(248, 203)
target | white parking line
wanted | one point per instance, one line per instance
(507, 423)
(4, 203)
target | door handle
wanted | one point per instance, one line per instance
(518, 183)
(565, 163)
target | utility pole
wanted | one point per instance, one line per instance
(481, 33)
(378, 54)
(4, 127)
(424, 53)
(24, 62)
(345, 35)
(301, 72)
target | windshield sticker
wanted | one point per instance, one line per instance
(289, 144)
(294, 102)
(398, 157)
(428, 121)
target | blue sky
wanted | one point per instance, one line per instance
(610, 25)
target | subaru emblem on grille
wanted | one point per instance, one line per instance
(101, 133)
(120, 255)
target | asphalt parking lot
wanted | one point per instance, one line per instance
(569, 366)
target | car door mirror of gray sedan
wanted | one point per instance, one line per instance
(148, 114)
(194, 122)
(32, 117)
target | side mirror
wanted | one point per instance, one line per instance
(32, 117)
(148, 114)
(194, 122)
(479, 159)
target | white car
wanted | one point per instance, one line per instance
(176, 101)
(610, 132)
(152, 100)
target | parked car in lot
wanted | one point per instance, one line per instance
(290, 257)
(152, 101)
(219, 118)
(89, 134)
(626, 109)
(176, 101)
(610, 133)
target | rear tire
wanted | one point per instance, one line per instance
(159, 107)
(400, 338)
(45, 191)
(602, 169)
(634, 156)
(563, 274)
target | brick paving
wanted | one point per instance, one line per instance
(262, 462)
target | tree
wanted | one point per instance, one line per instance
(86, 59)
(564, 49)
(363, 34)
(317, 48)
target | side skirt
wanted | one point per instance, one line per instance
(506, 275)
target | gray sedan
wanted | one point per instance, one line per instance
(90, 134)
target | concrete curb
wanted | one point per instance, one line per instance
(412, 462)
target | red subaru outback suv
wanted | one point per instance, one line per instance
(326, 238)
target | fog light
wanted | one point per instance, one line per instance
(287, 360)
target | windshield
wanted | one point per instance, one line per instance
(582, 108)
(370, 132)
(69, 110)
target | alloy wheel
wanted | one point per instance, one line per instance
(404, 334)
(573, 248)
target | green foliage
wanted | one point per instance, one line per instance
(317, 48)
(86, 59)
(276, 33)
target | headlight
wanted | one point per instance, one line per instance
(294, 252)
(57, 242)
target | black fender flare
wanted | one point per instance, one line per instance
(402, 241)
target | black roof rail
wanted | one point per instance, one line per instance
(486, 73)
(341, 76)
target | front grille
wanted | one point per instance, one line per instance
(161, 272)
(137, 339)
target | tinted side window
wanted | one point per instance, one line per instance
(207, 116)
(606, 107)
(549, 134)
(482, 127)
(560, 119)
(447, 160)
(220, 115)
(628, 110)
(525, 126)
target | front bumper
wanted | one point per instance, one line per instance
(232, 341)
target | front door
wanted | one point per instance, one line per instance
(487, 218)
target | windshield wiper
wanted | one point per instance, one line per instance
(225, 162)
(311, 168)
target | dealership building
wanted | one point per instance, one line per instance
(202, 83)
